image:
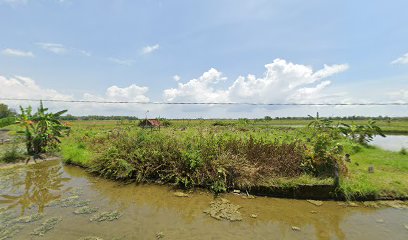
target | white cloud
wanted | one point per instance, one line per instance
(306, 94)
(176, 78)
(201, 89)
(23, 87)
(83, 52)
(282, 82)
(131, 93)
(18, 87)
(400, 95)
(126, 62)
(60, 49)
(16, 53)
(56, 48)
(150, 49)
(401, 60)
(27, 88)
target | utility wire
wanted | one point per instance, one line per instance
(209, 103)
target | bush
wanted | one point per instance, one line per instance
(4, 122)
(12, 155)
(403, 151)
(218, 161)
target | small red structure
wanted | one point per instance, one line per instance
(150, 123)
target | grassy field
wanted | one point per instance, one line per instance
(226, 154)
(389, 126)
(389, 179)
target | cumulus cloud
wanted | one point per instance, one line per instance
(16, 53)
(401, 60)
(150, 49)
(24, 87)
(282, 82)
(200, 89)
(18, 87)
(176, 78)
(131, 93)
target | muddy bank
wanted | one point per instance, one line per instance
(320, 192)
(30, 162)
(65, 202)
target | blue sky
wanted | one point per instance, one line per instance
(152, 50)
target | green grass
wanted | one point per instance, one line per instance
(390, 177)
(13, 151)
(75, 153)
(392, 126)
(296, 181)
(389, 180)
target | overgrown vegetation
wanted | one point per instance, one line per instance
(42, 129)
(224, 154)
(218, 158)
(12, 155)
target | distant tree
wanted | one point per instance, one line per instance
(267, 118)
(5, 111)
(68, 117)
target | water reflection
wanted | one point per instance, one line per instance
(142, 201)
(34, 187)
(149, 209)
(391, 142)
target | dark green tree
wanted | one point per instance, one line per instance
(5, 111)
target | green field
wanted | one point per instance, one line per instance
(356, 183)
(223, 155)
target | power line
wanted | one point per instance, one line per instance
(208, 103)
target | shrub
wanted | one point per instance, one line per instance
(4, 122)
(12, 155)
(218, 161)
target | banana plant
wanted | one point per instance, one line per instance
(362, 134)
(42, 129)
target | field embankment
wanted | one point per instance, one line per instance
(228, 155)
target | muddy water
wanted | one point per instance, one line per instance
(391, 142)
(55, 191)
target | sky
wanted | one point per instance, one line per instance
(258, 51)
